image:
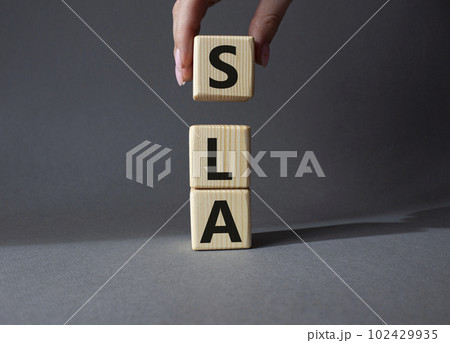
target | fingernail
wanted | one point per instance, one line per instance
(178, 63)
(179, 76)
(265, 53)
(178, 72)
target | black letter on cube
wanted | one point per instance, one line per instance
(230, 226)
(212, 162)
(225, 67)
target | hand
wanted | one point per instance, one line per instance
(188, 14)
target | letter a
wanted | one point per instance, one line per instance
(229, 227)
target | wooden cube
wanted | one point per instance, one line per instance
(220, 219)
(224, 68)
(218, 156)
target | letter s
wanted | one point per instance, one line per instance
(225, 67)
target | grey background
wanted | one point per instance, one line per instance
(377, 118)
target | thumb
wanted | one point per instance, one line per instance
(264, 26)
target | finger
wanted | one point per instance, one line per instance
(187, 73)
(264, 26)
(187, 16)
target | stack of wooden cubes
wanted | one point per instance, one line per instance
(219, 154)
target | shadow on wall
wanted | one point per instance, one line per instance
(437, 218)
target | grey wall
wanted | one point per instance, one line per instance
(377, 116)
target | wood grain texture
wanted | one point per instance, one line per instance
(202, 202)
(243, 62)
(233, 141)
